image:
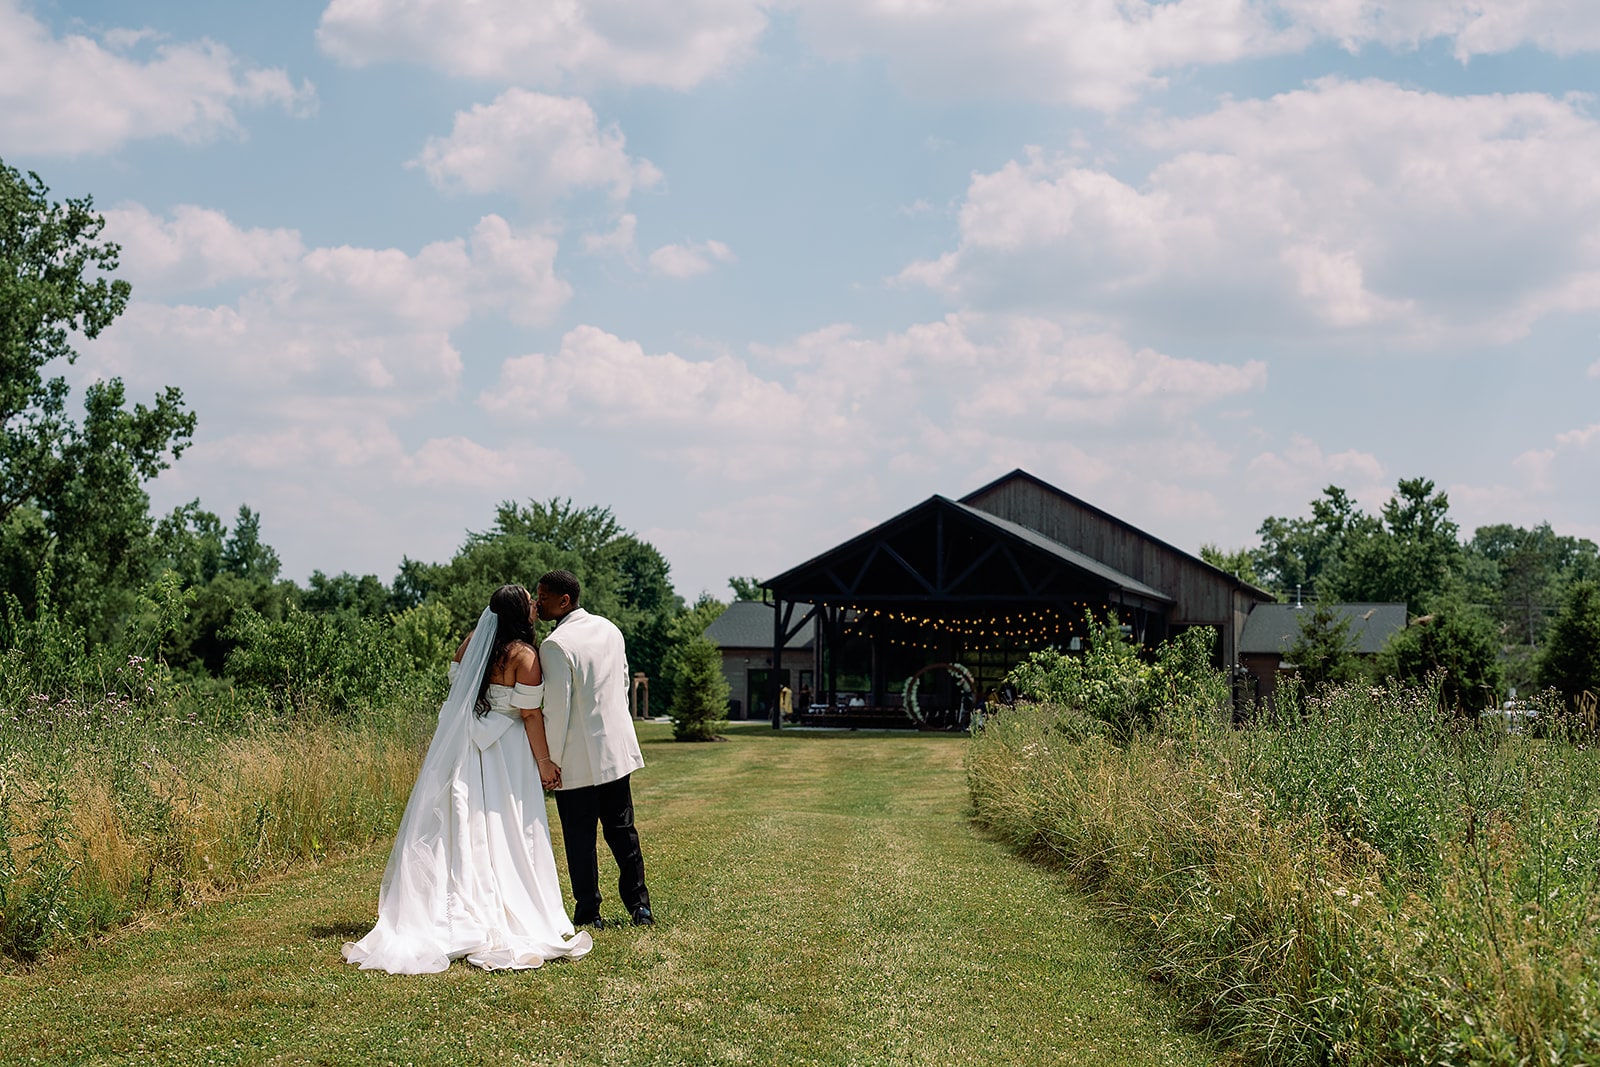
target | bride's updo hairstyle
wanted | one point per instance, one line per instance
(513, 608)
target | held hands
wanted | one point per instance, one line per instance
(549, 774)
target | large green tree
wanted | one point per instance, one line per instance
(225, 572)
(1408, 553)
(1570, 660)
(746, 588)
(1525, 573)
(362, 596)
(624, 578)
(1241, 562)
(1296, 554)
(1409, 556)
(71, 492)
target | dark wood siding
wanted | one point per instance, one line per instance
(1202, 594)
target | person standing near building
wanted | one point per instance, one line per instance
(593, 748)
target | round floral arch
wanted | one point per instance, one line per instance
(961, 674)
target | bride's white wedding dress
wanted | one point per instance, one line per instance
(472, 873)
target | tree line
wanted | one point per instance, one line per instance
(1508, 607)
(89, 576)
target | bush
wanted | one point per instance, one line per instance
(123, 789)
(1461, 646)
(688, 627)
(700, 699)
(312, 665)
(48, 657)
(425, 636)
(1111, 683)
(108, 810)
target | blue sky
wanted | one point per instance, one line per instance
(758, 275)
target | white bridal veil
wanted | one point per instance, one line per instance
(414, 907)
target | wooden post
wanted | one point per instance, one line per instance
(775, 679)
(640, 694)
(833, 657)
(818, 677)
(878, 669)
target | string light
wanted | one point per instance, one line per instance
(1009, 633)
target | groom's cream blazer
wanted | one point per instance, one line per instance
(586, 717)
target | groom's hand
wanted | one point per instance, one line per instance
(549, 774)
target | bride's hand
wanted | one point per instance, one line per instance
(549, 774)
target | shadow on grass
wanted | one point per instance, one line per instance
(346, 931)
(1132, 955)
(654, 732)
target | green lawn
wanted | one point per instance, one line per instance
(821, 899)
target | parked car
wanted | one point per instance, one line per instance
(1516, 718)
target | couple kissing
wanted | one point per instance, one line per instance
(472, 872)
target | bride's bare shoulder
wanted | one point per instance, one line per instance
(524, 663)
(461, 649)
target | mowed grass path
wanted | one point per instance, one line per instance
(822, 899)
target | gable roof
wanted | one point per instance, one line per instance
(748, 624)
(1020, 475)
(864, 547)
(1067, 555)
(1274, 628)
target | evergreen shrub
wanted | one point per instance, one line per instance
(700, 698)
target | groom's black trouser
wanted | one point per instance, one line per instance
(611, 805)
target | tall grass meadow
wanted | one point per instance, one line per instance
(1369, 879)
(124, 789)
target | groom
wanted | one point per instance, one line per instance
(593, 748)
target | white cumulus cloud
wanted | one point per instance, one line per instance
(311, 383)
(1092, 53)
(1553, 483)
(542, 147)
(75, 95)
(1106, 54)
(581, 42)
(1474, 27)
(196, 248)
(941, 390)
(691, 259)
(1102, 54)
(1343, 206)
(1301, 468)
(600, 379)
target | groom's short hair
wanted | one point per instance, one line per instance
(562, 583)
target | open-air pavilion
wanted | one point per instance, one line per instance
(974, 585)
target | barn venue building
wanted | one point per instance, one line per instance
(926, 612)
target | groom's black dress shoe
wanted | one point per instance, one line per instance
(642, 917)
(593, 921)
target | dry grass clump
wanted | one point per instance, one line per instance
(1367, 884)
(107, 811)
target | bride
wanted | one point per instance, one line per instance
(472, 873)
